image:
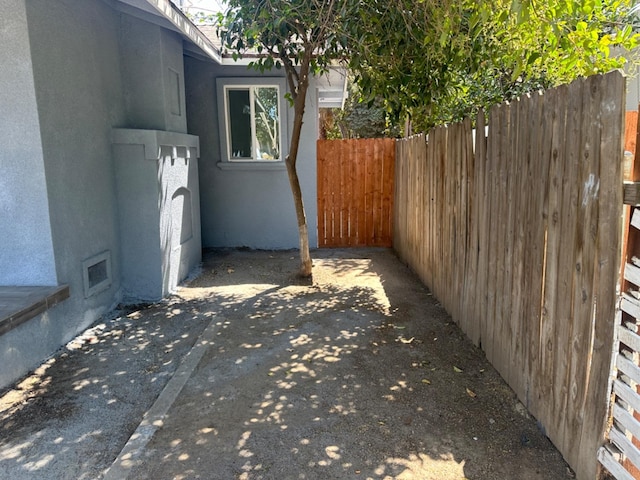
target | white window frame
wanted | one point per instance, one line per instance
(224, 85)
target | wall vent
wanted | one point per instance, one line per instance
(96, 273)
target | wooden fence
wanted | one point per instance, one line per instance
(519, 238)
(355, 192)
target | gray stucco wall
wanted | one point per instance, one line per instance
(246, 206)
(153, 74)
(25, 231)
(77, 83)
(75, 70)
(159, 210)
(76, 58)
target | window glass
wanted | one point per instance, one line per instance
(253, 123)
(240, 123)
(267, 123)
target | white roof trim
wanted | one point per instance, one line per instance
(186, 27)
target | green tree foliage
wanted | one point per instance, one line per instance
(300, 36)
(437, 61)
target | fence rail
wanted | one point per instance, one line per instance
(518, 235)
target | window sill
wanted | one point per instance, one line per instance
(20, 304)
(263, 166)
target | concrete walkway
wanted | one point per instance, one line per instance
(248, 374)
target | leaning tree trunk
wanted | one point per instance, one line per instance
(299, 104)
(303, 230)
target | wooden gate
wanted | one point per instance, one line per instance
(355, 192)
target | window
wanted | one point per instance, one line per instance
(252, 119)
(252, 122)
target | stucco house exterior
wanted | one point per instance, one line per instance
(127, 144)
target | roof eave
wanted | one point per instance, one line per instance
(169, 11)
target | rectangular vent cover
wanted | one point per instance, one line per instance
(97, 273)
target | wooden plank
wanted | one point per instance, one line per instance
(449, 219)
(628, 368)
(438, 232)
(374, 177)
(410, 201)
(453, 151)
(451, 288)
(348, 237)
(635, 218)
(631, 195)
(328, 194)
(607, 261)
(424, 230)
(501, 333)
(542, 108)
(320, 172)
(447, 211)
(492, 244)
(444, 241)
(626, 420)
(584, 249)
(546, 356)
(630, 172)
(360, 193)
(566, 265)
(478, 247)
(484, 264)
(630, 305)
(471, 249)
(510, 322)
(466, 169)
(606, 458)
(355, 185)
(515, 229)
(397, 205)
(429, 158)
(461, 223)
(630, 128)
(627, 394)
(632, 340)
(341, 222)
(384, 195)
(632, 274)
(389, 180)
(630, 451)
(453, 218)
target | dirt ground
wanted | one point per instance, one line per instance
(359, 374)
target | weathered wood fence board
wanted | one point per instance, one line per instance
(520, 241)
(355, 192)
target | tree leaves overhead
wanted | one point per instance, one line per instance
(437, 61)
(283, 32)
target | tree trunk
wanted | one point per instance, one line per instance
(291, 159)
(303, 231)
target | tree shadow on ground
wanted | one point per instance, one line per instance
(360, 375)
(72, 415)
